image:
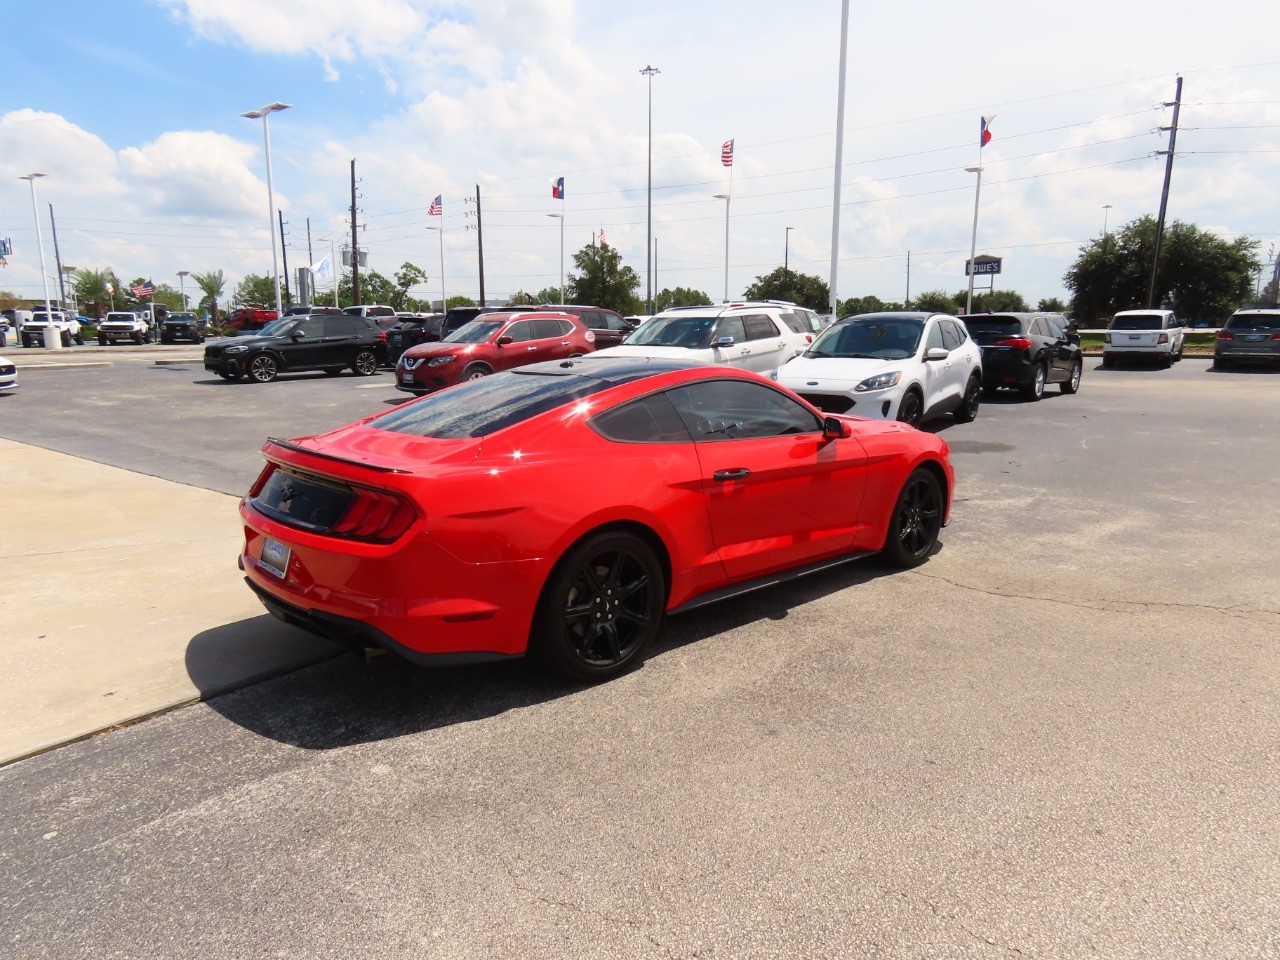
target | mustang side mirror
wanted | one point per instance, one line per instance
(503, 341)
(937, 353)
(835, 429)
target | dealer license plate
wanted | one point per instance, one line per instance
(406, 378)
(1252, 337)
(274, 557)
(1135, 336)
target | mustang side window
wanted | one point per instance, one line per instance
(647, 420)
(739, 410)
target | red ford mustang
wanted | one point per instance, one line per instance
(561, 509)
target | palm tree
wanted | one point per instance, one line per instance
(91, 287)
(211, 284)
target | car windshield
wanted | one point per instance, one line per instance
(1254, 321)
(1137, 321)
(869, 339)
(184, 317)
(278, 328)
(474, 332)
(691, 332)
(477, 408)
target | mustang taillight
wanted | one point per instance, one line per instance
(263, 477)
(374, 515)
(1017, 343)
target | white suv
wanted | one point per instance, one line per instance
(752, 335)
(33, 331)
(121, 325)
(1144, 333)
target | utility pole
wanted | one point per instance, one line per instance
(649, 278)
(1164, 193)
(57, 257)
(284, 256)
(480, 244)
(907, 302)
(311, 258)
(355, 246)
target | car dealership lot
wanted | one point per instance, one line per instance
(1056, 737)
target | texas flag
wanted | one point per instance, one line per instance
(557, 188)
(985, 132)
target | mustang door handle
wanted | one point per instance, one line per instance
(735, 474)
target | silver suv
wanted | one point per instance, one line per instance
(758, 335)
(1249, 336)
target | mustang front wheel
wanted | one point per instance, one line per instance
(917, 518)
(601, 607)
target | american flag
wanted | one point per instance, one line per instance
(602, 238)
(143, 289)
(435, 209)
(726, 153)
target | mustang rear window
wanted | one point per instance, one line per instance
(477, 408)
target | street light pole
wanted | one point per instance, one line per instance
(264, 113)
(443, 297)
(649, 72)
(52, 335)
(182, 286)
(835, 199)
(786, 257)
(1106, 209)
(726, 198)
(560, 217)
(973, 241)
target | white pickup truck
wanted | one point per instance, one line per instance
(34, 330)
(1149, 334)
(120, 325)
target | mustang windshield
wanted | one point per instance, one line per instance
(682, 331)
(869, 340)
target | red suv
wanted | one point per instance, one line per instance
(492, 342)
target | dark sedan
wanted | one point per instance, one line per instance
(1027, 351)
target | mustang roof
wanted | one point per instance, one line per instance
(612, 370)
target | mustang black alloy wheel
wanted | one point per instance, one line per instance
(917, 519)
(601, 607)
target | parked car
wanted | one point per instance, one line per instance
(410, 331)
(375, 311)
(609, 326)
(1145, 334)
(902, 366)
(753, 335)
(492, 342)
(248, 318)
(1249, 336)
(121, 326)
(327, 343)
(8, 374)
(65, 324)
(1026, 351)
(425, 531)
(181, 326)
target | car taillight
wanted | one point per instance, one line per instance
(1106, 338)
(1017, 343)
(1164, 338)
(382, 336)
(1275, 336)
(375, 515)
(263, 477)
(1225, 335)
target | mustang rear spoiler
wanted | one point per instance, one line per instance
(297, 448)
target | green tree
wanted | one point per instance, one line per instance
(407, 276)
(1052, 305)
(374, 288)
(91, 287)
(522, 299)
(547, 295)
(680, 297)
(800, 288)
(211, 284)
(869, 304)
(459, 301)
(255, 291)
(997, 301)
(168, 296)
(935, 301)
(603, 280)
(1201, 276)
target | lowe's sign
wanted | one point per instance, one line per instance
(980, 265)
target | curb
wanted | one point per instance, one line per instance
(61, 365)
(174, 362)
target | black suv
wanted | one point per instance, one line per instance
(1026, 351)
(181, 326)
(328, 343)
(410, 331)
(609, 326)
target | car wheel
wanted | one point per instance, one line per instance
(917, 518)
(477, 371)
(66, 339)
(1221, 363)
(1072, 383)
(263, 368)
(332, 371)
(911, 409)
(1108, 361)
(79, 339)
(1166, 361)
(1035, 389)
(365, 363)
(103, 341)
(229, 377)
(968, 409)
(166, 340)
(137, 339)
(601, 607)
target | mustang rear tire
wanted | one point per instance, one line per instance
(601, 607)
(917, 518)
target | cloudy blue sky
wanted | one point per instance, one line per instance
(132, 109)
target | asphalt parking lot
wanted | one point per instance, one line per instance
(1057, 738)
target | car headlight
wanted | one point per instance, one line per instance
(236, 349)
(882, 381)
(440, 361)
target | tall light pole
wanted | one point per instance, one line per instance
(726, 198)
(786, 256)
(649, 72)
(264, 113)
(1106, 209)
(973, 242)
(52, 336)
(835, 200)
(182, 286)
(560, 217)
(444, 299)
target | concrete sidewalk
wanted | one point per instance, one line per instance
(120, 598)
